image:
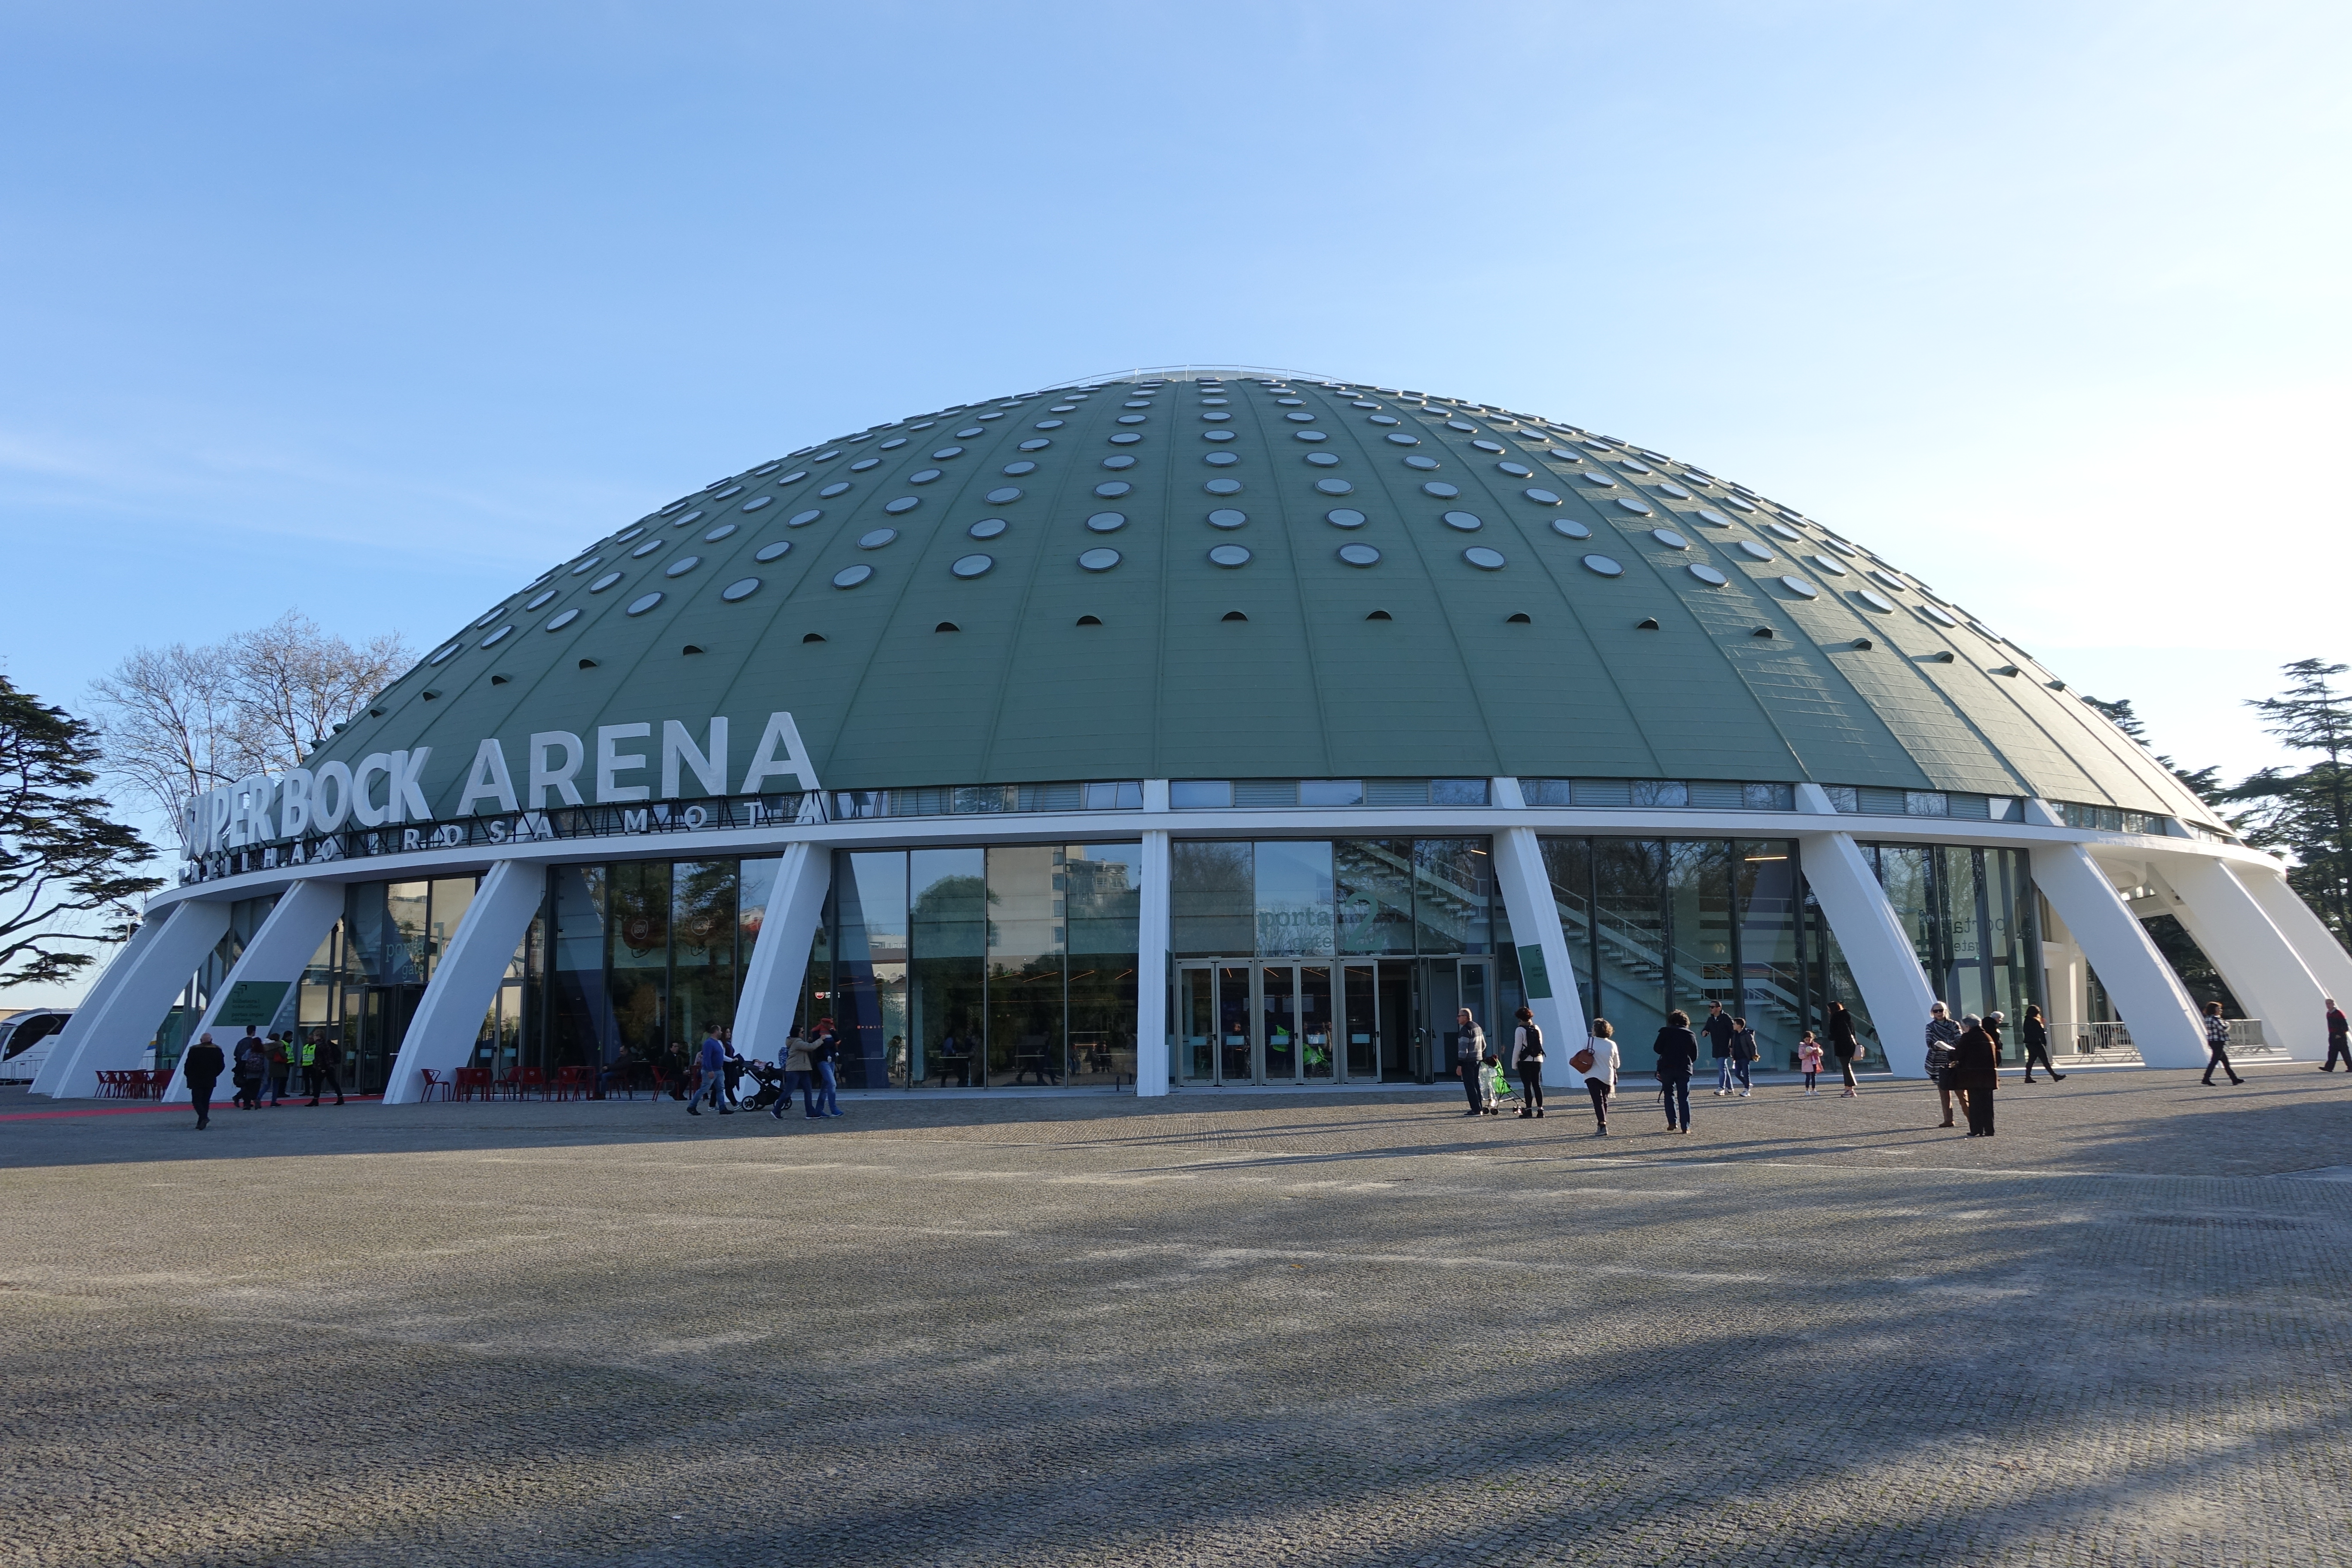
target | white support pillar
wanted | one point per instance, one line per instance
(117, 1037)
(772, 979)
(447, 1022)
(289, 935)
(67, 1044)
(2312, 942)
(1545, 970)
(2163, 1022)
(1152, 967)
(2257, 963)
(1877, 950)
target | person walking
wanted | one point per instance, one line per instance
(1719, 1029)
(2217, 1040)
(1677, 1050)
(824, 1054)
(713, 1087)
(327, 1069)
(279, 1066)
(2339, 1038)
(1469, 1052)
(1843, 1045)
(1975, 1072)
(797, 1075)
(202, 1066)
(1527, 1061)
(1942, 1033)
(1597, 1062)
(2035, 1034)
(1809, 1062)
(303, 1054)
(1744, 1051)
(248, 1063)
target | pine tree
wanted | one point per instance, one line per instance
(2308, 815)
(65, 867)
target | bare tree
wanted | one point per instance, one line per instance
(175, 721)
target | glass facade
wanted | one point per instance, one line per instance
(1972, 917)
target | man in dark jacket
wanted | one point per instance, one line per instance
(1843, 1045)
(2339, 1038)
(1719, 1029)
(1469, 1054)
(1975, 1071)
(1677, 1050)
(202, 1066)
(327, 1067)
(2036, 1035)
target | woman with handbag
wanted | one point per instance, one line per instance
(1527, 1060)
(1597, 1062)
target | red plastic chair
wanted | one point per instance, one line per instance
(531, 1080)
(436, 1086)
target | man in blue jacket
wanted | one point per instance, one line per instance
(714, 1077)
(1719, 1029)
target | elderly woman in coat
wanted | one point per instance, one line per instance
(1975, 1073)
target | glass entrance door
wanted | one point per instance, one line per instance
(1318, 1057)
(1237, 1026)
(1251, 1023)
(1279, 1022)
(1359, 1022)
(1196, 1024)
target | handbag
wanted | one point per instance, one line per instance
(1582, 1060)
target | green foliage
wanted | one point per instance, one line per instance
(2307, 816)
(65, 867)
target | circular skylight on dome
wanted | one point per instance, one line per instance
(756, 503)
(648, 548)
(1799, 587)
(1467, 522)
(1670, 539)
(1737, 504)
(1226, 517)
(563, 620)
(850, 576)
(1015, 471)
(1120, 462)
(1230, 555)
(741, 588)
(1112, 489)
(1568, 528)
(1638, 508)
(1751, 549)
(967, 435)
(1936, 615)
(446, 655)
(1782, 531)
(838, 488)
(876, 538)
(716, 534)
(775, 552)
(973, 566)
(1667, 488)
(1884, 606)
(1221, 459)
(1603, 566)
(1002, 496)
(893, 444)
(922, 475)
(1707, 574)
(606, 581)
(803, 519)
(641, 603)
(1541, 497)
(1099, 560)
(1494, 447)
(536, 600)
(682, 565)
(986, 528)
(1708, 515)
(1107, 522)
(1517, 470)
(1399, 439)
(1830, 564)
(1223, 487)
(903, 504)
(1485, 560)
(1035, 444)
(626, 534)
(1888, 579)
(1440, 489)
(1344, 517)
(863, 464)
(944, 453)
(1360, 555)
(693, 516)
(1598, 479)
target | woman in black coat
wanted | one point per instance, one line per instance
(1677, 1050)
(202, 1066)
(1842, 1045)
(1976, 1069)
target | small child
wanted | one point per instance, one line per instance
(1490, 1097)
(1809, 1056)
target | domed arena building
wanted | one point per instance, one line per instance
(1193, 730)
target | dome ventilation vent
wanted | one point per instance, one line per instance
(587, 664)
(946, 626)
(814, 637)
(431, 695)
(2000, 669)
(691, 647)
(1380, 615)
(1646, 624)
(1763, 632)
(1521, 619)
(1089, 620)
(1233, 615)
(495, 681)
(1944, 658)
(1864, 643)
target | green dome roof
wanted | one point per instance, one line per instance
(1183, 575)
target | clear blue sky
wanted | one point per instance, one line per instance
(373, 310)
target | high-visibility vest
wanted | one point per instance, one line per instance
(306, 1053)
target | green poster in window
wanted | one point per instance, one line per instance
(254, 1002)
(1534, 975)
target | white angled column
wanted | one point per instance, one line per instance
(772, 979)
(2164, 1023)
(118, 1033)
(447, 1023)
(67, 1045)
(2257, 960)
(2312, 942)
(289, 935)
(1152, 930)
(1877, 950)
(1546, 972)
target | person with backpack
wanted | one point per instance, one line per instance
(328, 1056)
(1597, 1062)
(1744, 1051)
(2217, 1041)
(2339, 1038)
(1719, 1029)
(824, 1054)
(1677, 1050)
(713, 1087)
(202, 1066)
(1469, 1053)
(1843, 1045)
(250, 1061)
(281, 1068)
(2035, 1034)
(1527, 1060)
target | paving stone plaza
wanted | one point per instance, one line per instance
(1210, 1329)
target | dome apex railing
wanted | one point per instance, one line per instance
(1199, 373)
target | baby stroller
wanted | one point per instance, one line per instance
(1493, 1088)
(770, 1080)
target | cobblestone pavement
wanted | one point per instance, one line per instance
(1215, 1328)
